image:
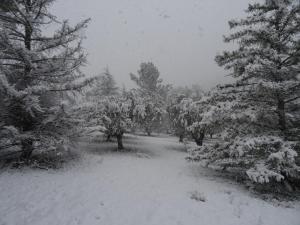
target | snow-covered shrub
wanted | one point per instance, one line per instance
(200, 154)
(278, 163)
(263, 159)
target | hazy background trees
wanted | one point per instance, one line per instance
(154, 94)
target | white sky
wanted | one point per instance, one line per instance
(181, 37)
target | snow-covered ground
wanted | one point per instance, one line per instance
(152, 185)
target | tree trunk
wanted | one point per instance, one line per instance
(120, 141)
(148, 131)
(199, 140)
(27, 149)
(108, 138)
(27, 42)
(28, 34)
(180, 138)
(281, 115)
(25, 80)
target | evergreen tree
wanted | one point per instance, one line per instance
(108, 84)
(268, 58)
(148, 79)
(154, 94)
(36, 70)
(103, 86)
(258, 114)
(250, 144)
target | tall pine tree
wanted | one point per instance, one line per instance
(36, 71)
(259, 111)
(267, 61)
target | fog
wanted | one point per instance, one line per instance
(180, 37)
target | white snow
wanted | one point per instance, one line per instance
(153, 185)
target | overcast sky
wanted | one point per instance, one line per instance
(181, 37)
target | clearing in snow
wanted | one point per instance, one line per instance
(153, 184)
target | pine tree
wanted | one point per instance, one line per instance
(148, 79)
(250, 145)
(268, 58)
(36, 70)
(108, 84)
(259, 111)
(104, 86)
(154, 94)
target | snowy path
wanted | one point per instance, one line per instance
(152, 187)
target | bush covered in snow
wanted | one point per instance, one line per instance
(263, 159)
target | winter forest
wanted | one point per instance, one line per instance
(87, 148)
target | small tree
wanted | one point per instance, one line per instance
(115, 115)
(190, 117)
(174, 111)
(175, 106)
(148, 115)
(197, 126)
